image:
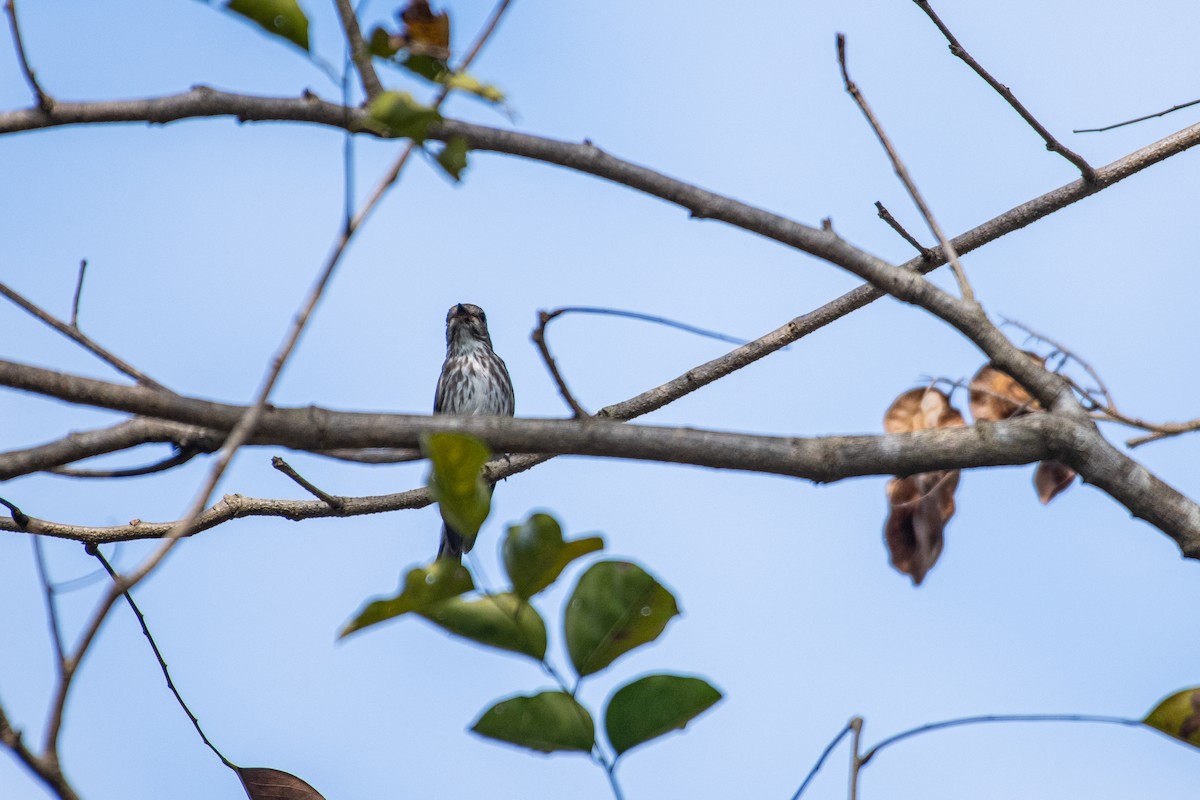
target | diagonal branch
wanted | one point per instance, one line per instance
(852, 89)
(73, 333)
(122, 436)
(359, 53)
(44, 101)
(1052, 144)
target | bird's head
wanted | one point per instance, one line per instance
(466, 321)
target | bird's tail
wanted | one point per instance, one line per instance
(451, 546)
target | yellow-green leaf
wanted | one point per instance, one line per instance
(462, 495)
(423, 586)
(282, 18)
(398, 114)
(1178, 716)
(453, 157)
(535, 554)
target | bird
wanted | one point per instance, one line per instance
(474, 380)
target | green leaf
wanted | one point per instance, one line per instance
(423, 586)
(379, 43)
(463, 496)
(616, 606)
(400, 115)
(453, 157)
(654, 705)
(425, 66)
(546, 722)
(535, 553)
(504, 621)
(1178, 716)
(279, 17)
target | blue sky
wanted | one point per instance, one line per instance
(203, 236)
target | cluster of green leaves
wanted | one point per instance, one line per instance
(615, 607)
(391, 113)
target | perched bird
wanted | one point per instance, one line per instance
(474, 380)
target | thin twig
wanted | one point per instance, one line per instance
(539, 338)
(885, 215)
(1052, 144)
(486, 33)
(181, 456)
(335, 503)
(856, 759)
(359, 53)
(77, 336)
(44, 101)
(44, 767)
(374, 455)
(21, 519)
(78, 294)
(162, 664)
(1106, 409)
(39, 558)
(1066, 352)
(954, 723)
(654, 318)
(812, 773)
(1162, 432)
(1139, 119)
(902, 173)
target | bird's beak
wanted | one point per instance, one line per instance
(459, 311)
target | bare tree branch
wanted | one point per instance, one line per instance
(78, 446)
(819, 459)
(359, 53)
(78, 294)
(178, 458)
(960, 275)
(1052, 144)
(287, 469)
(74, 334)
(539, 338)
(43, 100)
(895, 225)
(44, 767)
(1069, 437)
(1139, 119)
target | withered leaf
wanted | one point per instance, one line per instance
(426, 33)
(996, 396)
(262, 783)
(922, 504)
(920, 508)
(1051, 478)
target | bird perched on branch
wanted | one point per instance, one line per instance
(474, 380)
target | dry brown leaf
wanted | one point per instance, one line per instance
(996, 396)
(920, 505)
(921, 410)
(1051, 478)
(426, 33)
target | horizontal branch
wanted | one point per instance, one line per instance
(312, 428)
(86, 444)
(821, 459)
